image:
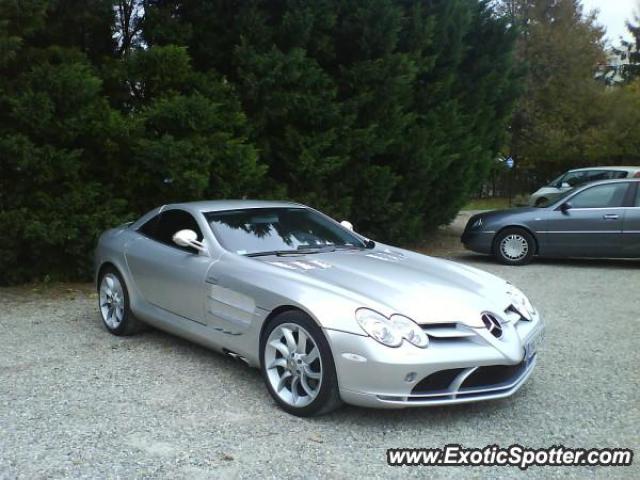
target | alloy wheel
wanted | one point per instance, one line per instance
(111, 301)
(293, 364)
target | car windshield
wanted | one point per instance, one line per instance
(266, 231)
(556, 182)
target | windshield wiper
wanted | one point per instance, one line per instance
(301, 250)
(349, 247)
(273, 252)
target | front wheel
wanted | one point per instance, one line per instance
(514, 246)
(297, 365)
(113, 303)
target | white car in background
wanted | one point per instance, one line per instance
(575, 178)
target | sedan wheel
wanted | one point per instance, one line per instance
(298, 366)
(514, 246)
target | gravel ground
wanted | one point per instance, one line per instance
(76, 402)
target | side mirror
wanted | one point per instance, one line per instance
(188, 238)
(347, 224)
(565, 185)
(565, 207)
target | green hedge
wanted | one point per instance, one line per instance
(384, 112)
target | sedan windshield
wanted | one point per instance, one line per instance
(279, 231)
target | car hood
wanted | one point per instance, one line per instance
(545, 190)
(426, 289)
(495, 218)
(494, 214)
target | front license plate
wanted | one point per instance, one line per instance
(533, 345)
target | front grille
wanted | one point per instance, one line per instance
(481, 383)
(436, 381)
(493, 375)
(493, 324)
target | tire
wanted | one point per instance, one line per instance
(113, 304)
(514, 246)
(541, 201)
(307, 370)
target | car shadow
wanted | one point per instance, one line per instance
(251, 385)
(153, 339)
(440, 417)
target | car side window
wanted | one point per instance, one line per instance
(616, 174)
(596, 175)
(150, 226)
(600, 196)
(168, 223)
(637, 204)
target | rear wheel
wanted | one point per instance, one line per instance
(297, 365)
(514, 246)
(113, 298)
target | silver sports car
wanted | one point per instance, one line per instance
(326, 314)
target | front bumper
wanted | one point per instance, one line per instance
(374, 375)
(480, 241)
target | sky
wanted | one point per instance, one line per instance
(613, 15)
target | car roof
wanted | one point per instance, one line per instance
(221, 205)
(617, 169)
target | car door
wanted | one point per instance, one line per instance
(592, 226)
(631, 226)
(167, 275)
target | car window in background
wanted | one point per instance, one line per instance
(260, 230)
(557, 199)
(637, 204)
(616, 174)
(601, 196)
(575, 178)
(556, 182)
(596, 175)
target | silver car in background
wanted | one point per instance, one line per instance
(576, 178)
(326, 314)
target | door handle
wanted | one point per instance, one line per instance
(611, 216)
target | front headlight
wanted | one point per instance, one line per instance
(391, 332)
(477, 224)
(521, 302)
(410, 331)
(378, 327)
